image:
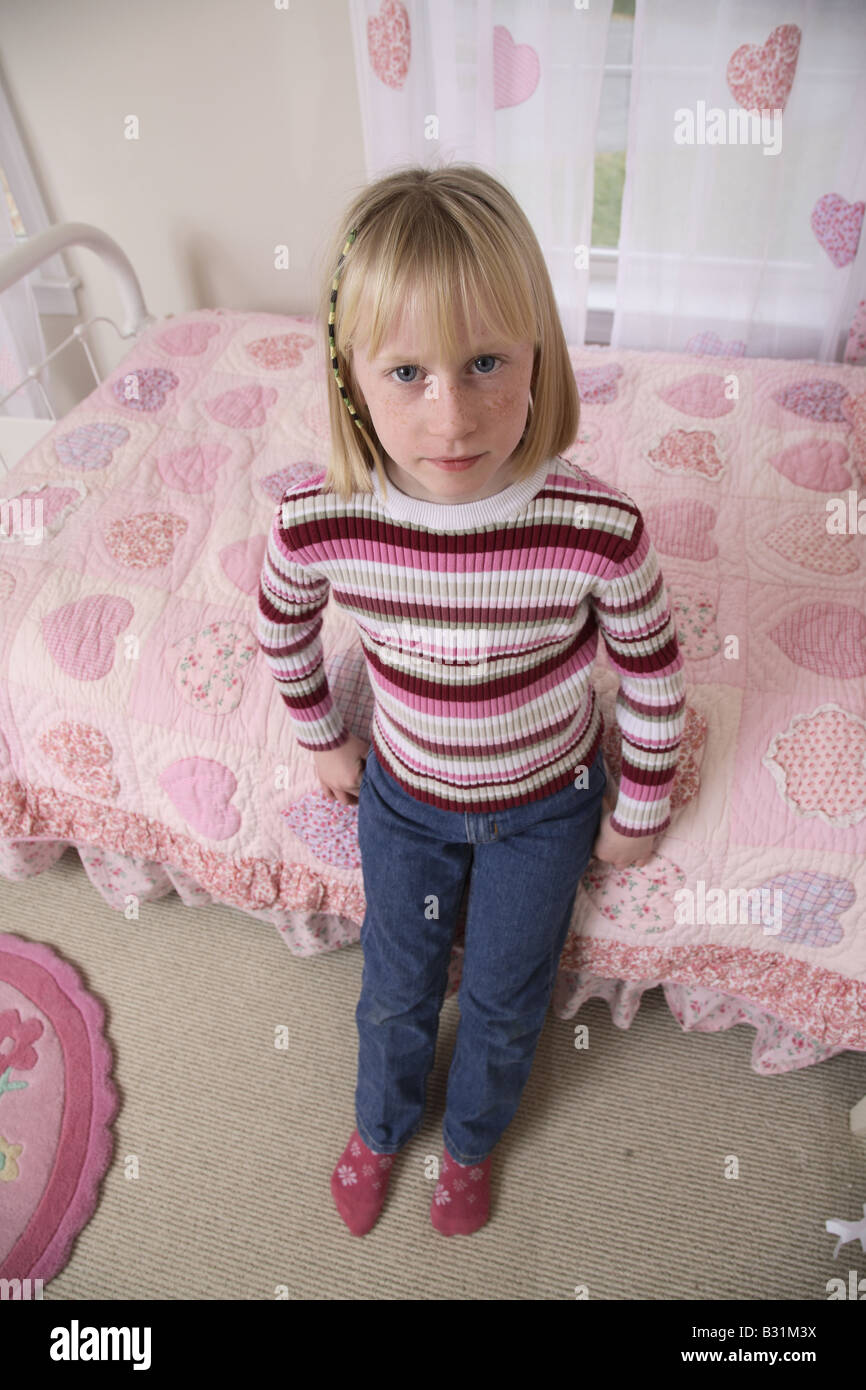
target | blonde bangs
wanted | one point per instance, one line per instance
(438, 281)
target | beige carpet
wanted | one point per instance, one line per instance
(611, 1176)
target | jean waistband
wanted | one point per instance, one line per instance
(482, 827)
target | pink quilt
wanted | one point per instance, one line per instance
(139, 723)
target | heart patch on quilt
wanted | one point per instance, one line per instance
(278, 353)
(587, 433)
(328, 829)
(42, 509)
(201, 789)
(854, 410)
(349, 683)
(389, 43)
(84, 755)
(641, 900)
(314, 413)
(145, 540)
(242, 563)
(598, 385)
(819, 765)
(855, 347)
(582, 454)
(761, 76)
(702, 395)
(210, 672)
(683, 529)
(711, 345)
(837, 225)
(244, 407)
(194, 469)
(516, 69)
(858, 459)
(696, 621)
(81, 636)
(144, 388)
(804, 541)
(687, 451)
(829, 638)
(818, 464)
(276, 485)
(812, 904)
(814, 398)
(90, 446)
(57, 1105)
(187, 339)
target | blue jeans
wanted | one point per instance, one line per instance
(526, 864)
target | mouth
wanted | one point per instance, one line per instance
(456, 465)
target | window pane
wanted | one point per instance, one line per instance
(612, 134)
(14, 214)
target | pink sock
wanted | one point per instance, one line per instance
(461, 1202)
(359, 1183)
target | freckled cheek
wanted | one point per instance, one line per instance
(504, 406)
(394, 412)
(393, 419)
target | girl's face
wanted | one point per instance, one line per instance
(424, 410)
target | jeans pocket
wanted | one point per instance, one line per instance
(366, 771)
(599, 773)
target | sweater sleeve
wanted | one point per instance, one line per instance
(639, 632)
(292, 598)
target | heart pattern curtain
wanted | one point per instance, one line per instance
(510, 85)
(741, 234)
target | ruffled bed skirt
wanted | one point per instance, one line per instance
(124, 881)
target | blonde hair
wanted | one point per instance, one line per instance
(432, 242)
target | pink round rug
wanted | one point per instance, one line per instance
(57, 1102)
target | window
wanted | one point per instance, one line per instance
(51, 283)
(14, 214)
(611, 143)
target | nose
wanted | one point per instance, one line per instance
(450, 413)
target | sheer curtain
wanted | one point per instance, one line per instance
(511, 85)
(739, 235)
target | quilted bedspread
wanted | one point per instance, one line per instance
(139, 722)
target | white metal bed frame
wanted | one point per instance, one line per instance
(25, 259)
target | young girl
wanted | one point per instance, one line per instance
(478, 565)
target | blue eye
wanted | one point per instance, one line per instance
(487, 357)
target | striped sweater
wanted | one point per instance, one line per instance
(479, 623)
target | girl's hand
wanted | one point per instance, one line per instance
(340, 770)
(621, 850)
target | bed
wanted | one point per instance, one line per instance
(139, 724)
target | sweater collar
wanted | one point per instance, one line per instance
(462, 516)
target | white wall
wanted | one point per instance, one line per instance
(249, 138)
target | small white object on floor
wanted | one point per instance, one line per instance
(848, 1231)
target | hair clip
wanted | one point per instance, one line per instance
(343, 392)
